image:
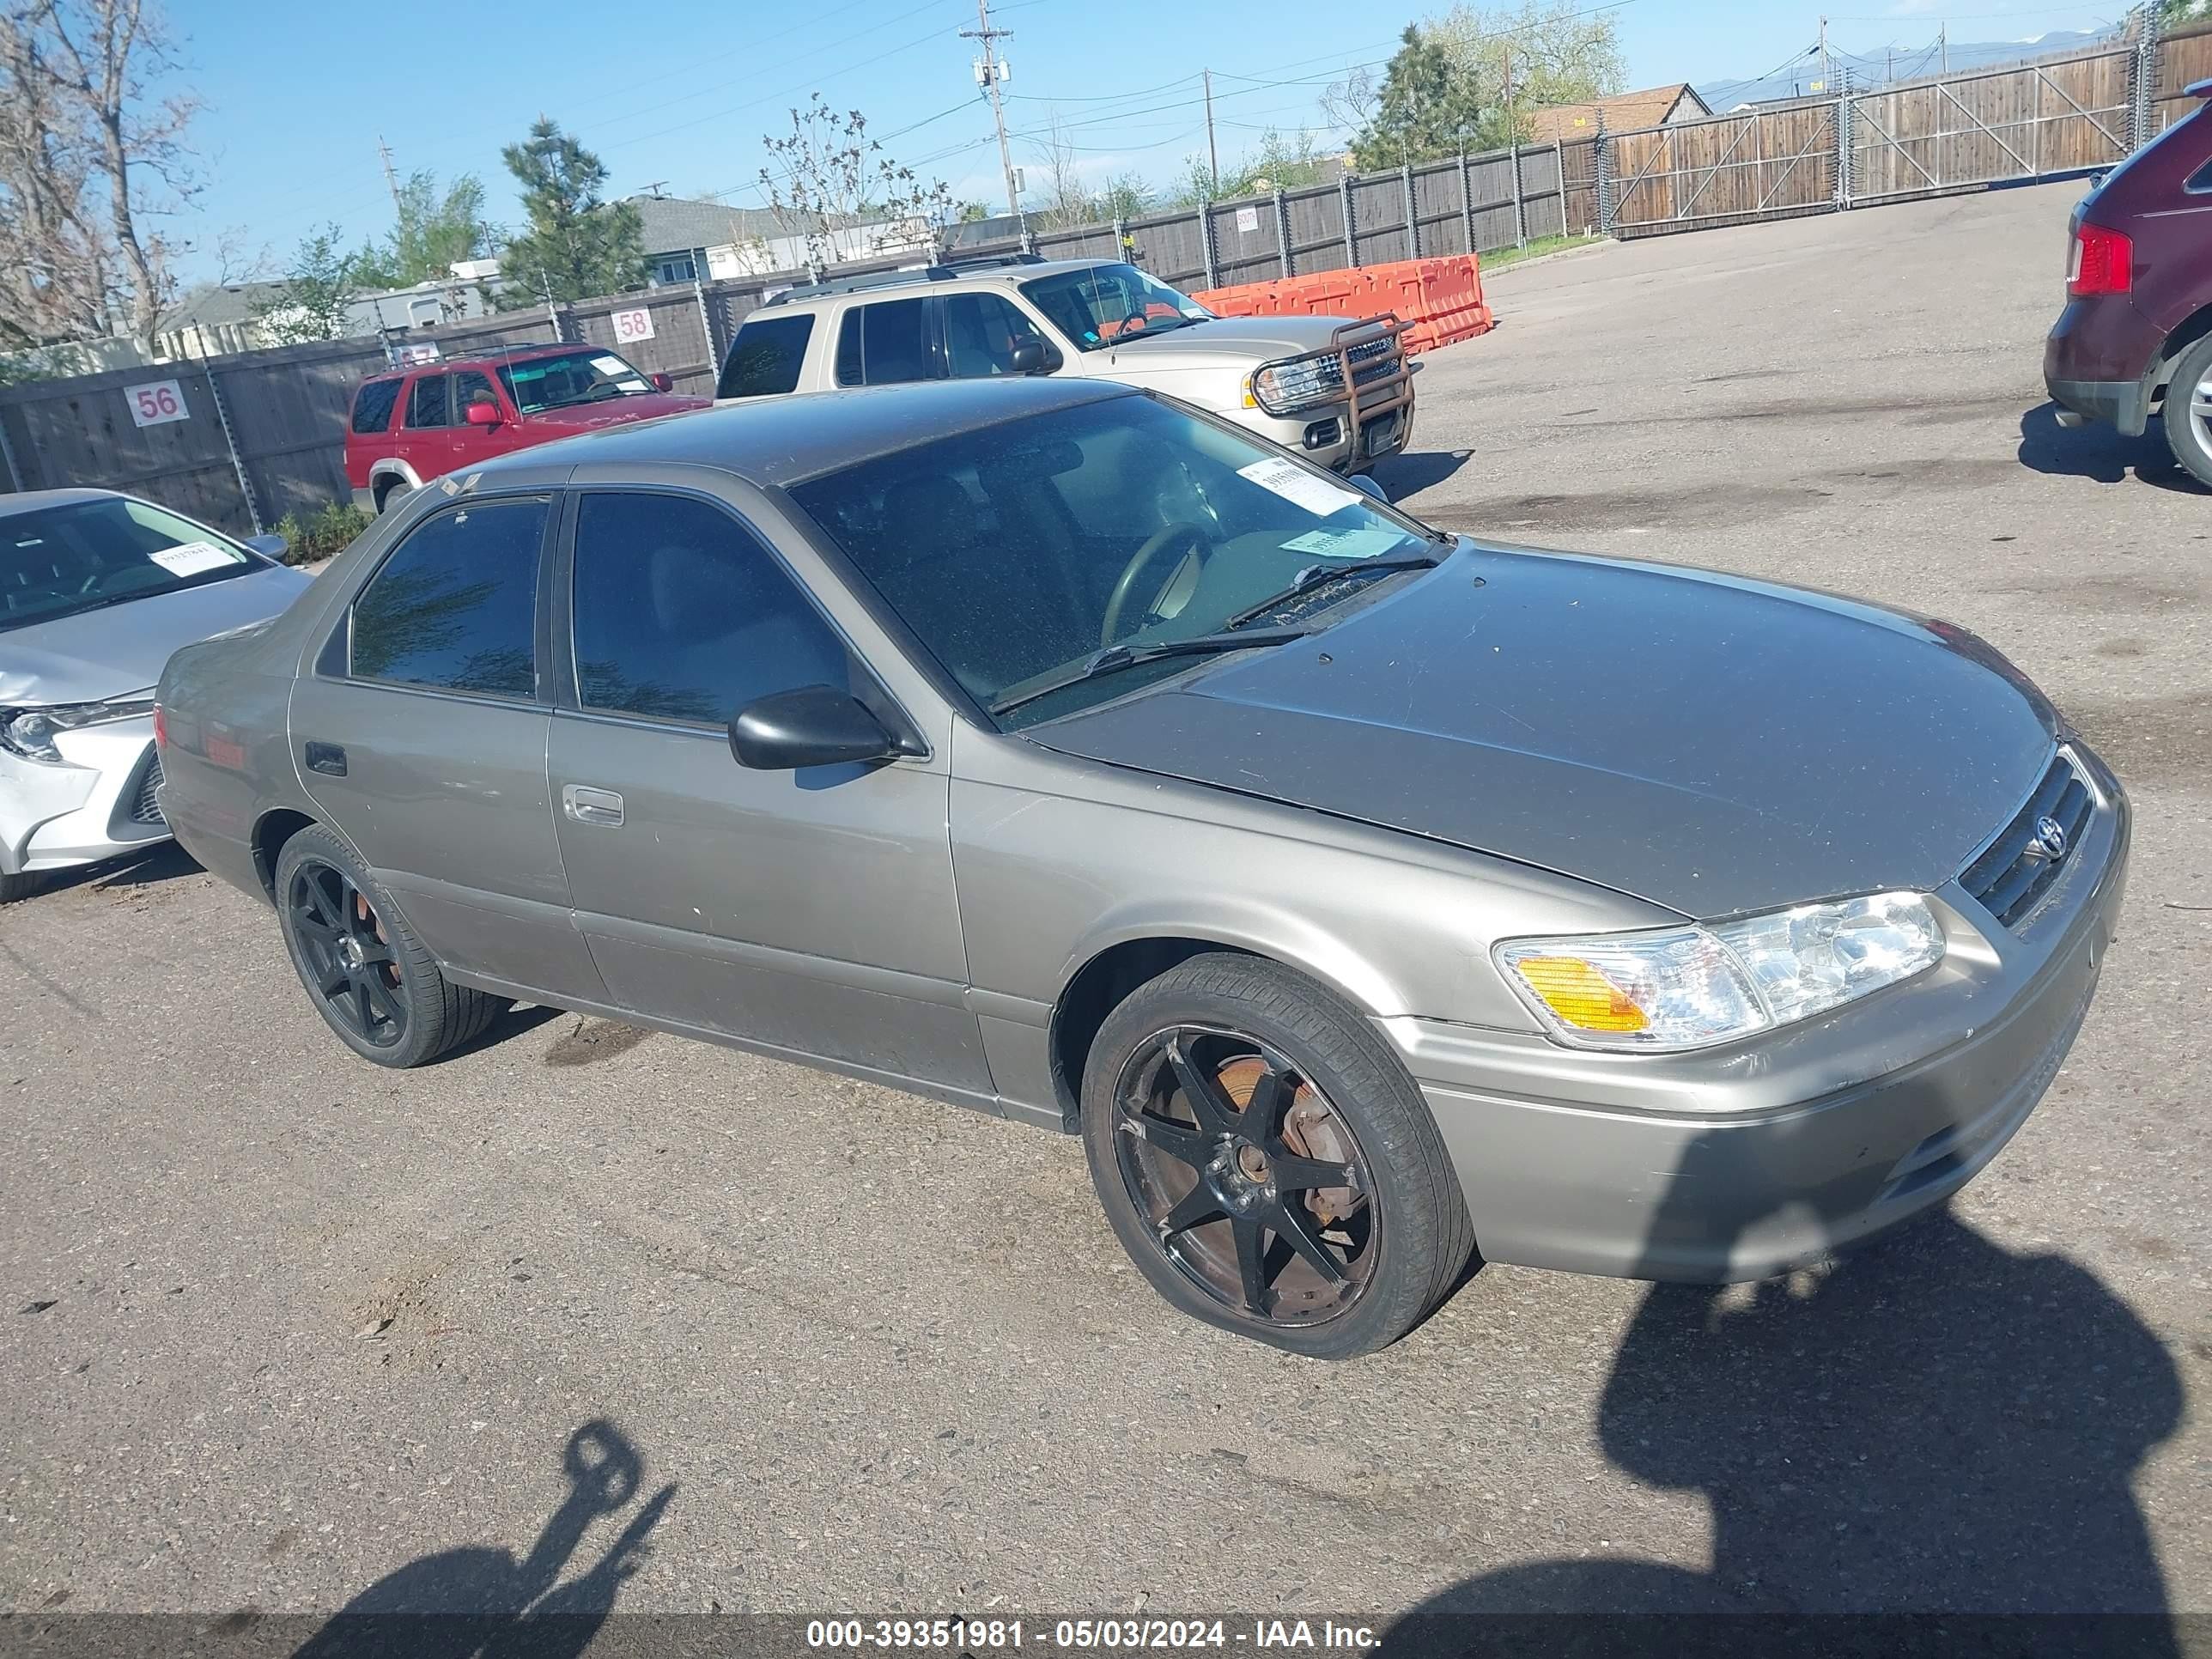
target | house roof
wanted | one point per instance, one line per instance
(212, 303)
(674, 224)
(1623, 112)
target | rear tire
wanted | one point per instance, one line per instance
(364, 970)
(19, 887)
(1185, 1186)
(2188, 414)
(389, 493)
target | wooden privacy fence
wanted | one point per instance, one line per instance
(1947, 132)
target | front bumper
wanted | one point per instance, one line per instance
(89, 807)
(1339, 454)
(1754, 1159)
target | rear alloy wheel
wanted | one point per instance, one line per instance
(2188, 414)
(1267, 1164)
(366, 973)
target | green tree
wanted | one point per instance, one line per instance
(577, 244)
(1277, 163)
(320, 283)
(1525, 57)
(1428, 107)
(430, 234)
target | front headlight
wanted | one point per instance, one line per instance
(1687, 987)
(1297, 383)
(30, 732)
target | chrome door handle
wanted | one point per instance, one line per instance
(589, 806)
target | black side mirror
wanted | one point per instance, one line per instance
(1033, 356)
(813, 725)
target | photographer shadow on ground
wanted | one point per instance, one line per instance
(482, 1603)
(1933, 1424)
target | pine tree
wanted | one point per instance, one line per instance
(1428, 107)
(577, 245)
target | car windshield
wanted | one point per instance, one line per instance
(1099, 305)
(1019, 552)
(59, 560)
(574, 377)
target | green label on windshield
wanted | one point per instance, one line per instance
(1345, 544)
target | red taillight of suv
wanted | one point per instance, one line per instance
(2104, 262)
(161, 728)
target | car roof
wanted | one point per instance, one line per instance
(32, 501)
(521, 354)
(997, 273)
(773, 441)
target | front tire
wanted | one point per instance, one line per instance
(19, 886)
(1267, 1164)
(2188, 416)
(364, 969)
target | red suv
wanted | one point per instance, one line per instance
(416, 424)
(2137, 326)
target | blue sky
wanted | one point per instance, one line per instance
(681, 91)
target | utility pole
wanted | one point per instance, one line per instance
(1511, 131)
(390, 179)
(1213, 154)
(1824, 53)
(1943, 46)
(990, 71)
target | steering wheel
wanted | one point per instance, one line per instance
(1182, 537)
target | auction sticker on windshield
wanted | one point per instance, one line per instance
(1299, 487)
(190, 558)
(1345, 544)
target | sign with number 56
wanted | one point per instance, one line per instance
(632, 325)
(156, 402)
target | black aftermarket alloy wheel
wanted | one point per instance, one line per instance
(366, 973)
(1267, 1164)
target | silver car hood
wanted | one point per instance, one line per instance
(1260, 339)
(1714, 745)
(104, 653)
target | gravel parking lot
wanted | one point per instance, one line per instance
(281, 1325)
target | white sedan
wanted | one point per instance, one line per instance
(96, 590)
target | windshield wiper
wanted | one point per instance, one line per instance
(1321, 575)
(1115, 658)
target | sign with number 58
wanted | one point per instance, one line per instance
(156, 402)
(631, 326)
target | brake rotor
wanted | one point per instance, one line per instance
(1310, 1129)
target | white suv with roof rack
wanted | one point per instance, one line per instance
(1284, 378)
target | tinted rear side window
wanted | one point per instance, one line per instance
(766, 356)
(456, 607)
(372, 405)
(883, 344)
(426, 405)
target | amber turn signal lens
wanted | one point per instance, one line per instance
(1580, 995)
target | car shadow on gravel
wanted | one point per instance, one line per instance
(2100, 452)
(1409, 472)
(483, 1600)
(1934, 1429)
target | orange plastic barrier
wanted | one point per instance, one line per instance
(1439, 300)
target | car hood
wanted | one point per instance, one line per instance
(1247, 339)
(1712, 744)
(616, 411)
(105, 653)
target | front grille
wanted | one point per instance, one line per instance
(2017, 868)
(145, 809)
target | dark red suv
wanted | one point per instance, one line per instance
(2137, 326)
(415, 425)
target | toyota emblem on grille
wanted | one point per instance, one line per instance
(2049, 841)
